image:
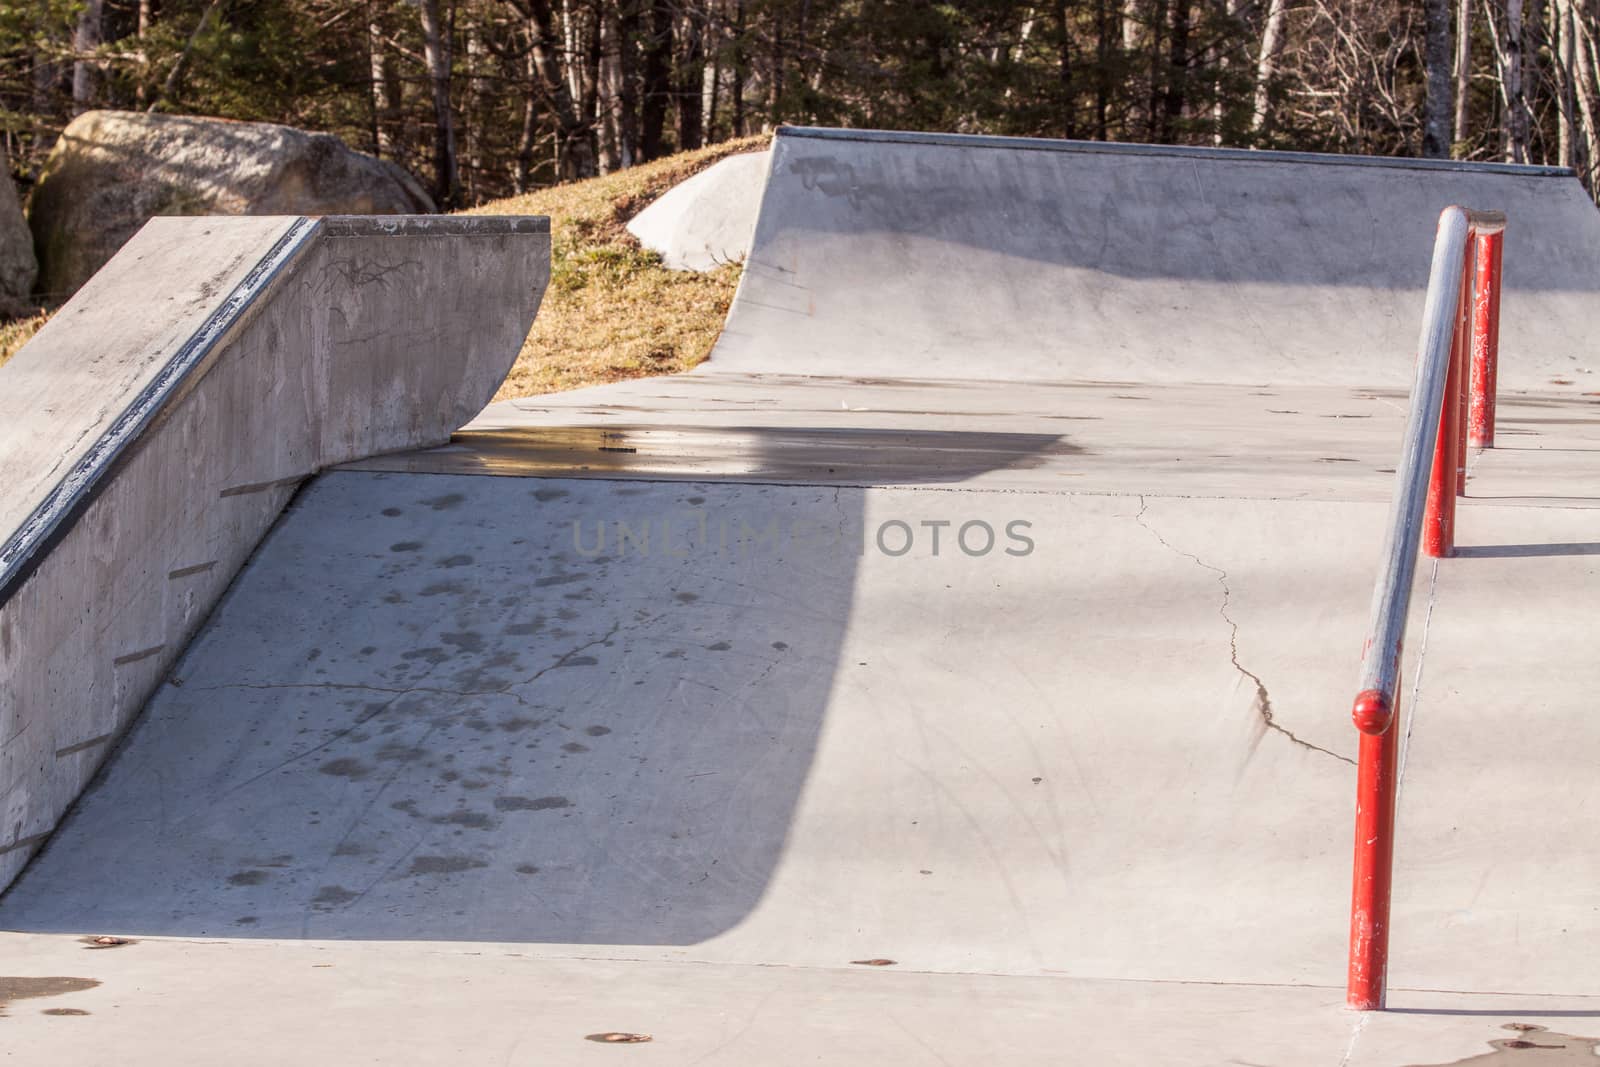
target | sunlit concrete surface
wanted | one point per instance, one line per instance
(653, 709)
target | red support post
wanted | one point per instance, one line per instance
(1461, 361)
(1439, 521)
(1376, 778)
(1485, 339)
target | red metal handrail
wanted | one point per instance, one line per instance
(1461, 322)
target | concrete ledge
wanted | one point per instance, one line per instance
(155, 428)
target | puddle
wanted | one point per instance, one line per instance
(1533, 1046)
(14, 989)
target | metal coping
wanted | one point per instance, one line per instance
(1242, 155)
(433, 225)
(24, 549)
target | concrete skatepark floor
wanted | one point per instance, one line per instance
(652, 709)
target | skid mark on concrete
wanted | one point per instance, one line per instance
(1263, 698)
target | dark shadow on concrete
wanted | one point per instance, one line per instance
(510, 709)
(1492, 1013)
(1580, 548)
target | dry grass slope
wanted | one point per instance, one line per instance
(612, 310)
(15, 334)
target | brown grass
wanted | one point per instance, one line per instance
(15, 334)
(612, 310)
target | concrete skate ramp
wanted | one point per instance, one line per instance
(707, 708)
(914, 255)
(157, 425)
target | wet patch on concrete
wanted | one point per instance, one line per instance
(443, 865)
(530, 803)
(332, 896)
(15, 989)
(472, 820)
(345, 767)
(558, 579)
(1533, 1046)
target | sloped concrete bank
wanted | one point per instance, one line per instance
(156, 427)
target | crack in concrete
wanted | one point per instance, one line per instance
(1263, 698)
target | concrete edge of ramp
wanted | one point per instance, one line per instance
(1124, 148)
(158, 424)
(893, 255)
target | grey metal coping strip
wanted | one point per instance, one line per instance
(54, 515)
(1243, 155)
(432, 225)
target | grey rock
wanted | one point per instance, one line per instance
(18, 268)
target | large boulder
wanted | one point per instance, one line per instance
(17, 265)
(113, 170)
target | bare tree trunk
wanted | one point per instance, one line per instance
(778, 73)
(610, 88)
(1272, 41)
(549, 84)
(1132, 18)
(1104, 20)
(472, 111)
(1154, 110)
(528, 134)
(1588, 106)
(85, 39)
(1463, 68)
(1566, 134)
(174, 80)
(657, 81)
(1069, 125)
(146, 18)
(1436, 61)
(628, 19)
(711, 84)
(436, 53)
(381, 91)
(738, 69)
(691, 80)
(1175, 100)
(1516, 102)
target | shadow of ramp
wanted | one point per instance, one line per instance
(478, 709)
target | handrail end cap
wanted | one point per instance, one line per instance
(1372, 712)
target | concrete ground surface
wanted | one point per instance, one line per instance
(654, 710)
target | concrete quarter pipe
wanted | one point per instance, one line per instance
(954, 668)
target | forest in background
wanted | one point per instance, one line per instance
(487, 98)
